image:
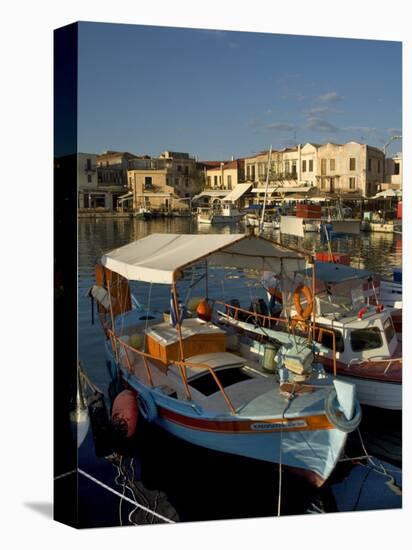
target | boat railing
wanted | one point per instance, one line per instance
(181, 364)
(289, 324)
(389, 362)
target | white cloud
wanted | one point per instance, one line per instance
(329, 97)
(319, 125)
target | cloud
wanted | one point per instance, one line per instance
(394, 131)
(319, 125)
(322, 109)
(281, 126)
(329, 97)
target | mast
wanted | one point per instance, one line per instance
(266, 190)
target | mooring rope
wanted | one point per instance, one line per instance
(124, 497)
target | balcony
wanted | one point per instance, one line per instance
(89, 168)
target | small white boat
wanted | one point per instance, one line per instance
(224, 213)
(270, 222)
(381, 226)
(199, 382)
(311, 226)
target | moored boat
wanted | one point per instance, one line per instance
(224, 213)
(193, 379)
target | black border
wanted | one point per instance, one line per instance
(65, 270)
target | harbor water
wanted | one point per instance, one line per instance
(186, 483)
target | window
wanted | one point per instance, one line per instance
(248, 171)
(220, 180)
(303, 165)
(396, 169)
(352, 163)
(179, 168)
(352, 183)
(89, 178)
(323, 166)
(326, 339)
(389, 329)
(229, 182)
(311, 166)
(332, 164)
(215, 181)
(369, 165)
(209, 182)
(88, 164)
(148, 182)
(365, 339)
(287, 167)
(253, 172)
(294, 167)
(187, 170)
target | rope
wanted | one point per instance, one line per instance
(124, 497)
(61, 476)
(290, 398)
(147, 314)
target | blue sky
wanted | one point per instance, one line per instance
(216, 94)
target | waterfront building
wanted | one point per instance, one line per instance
(164, 183)
(394, 172)
(352, 169)
(89, 195)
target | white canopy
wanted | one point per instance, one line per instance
(238, 191)
(158, 257)
(388, 193)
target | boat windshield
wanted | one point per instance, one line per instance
(366, 339)
(389, 329)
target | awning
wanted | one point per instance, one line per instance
(158, 258)
(294, 189)
(212, 193)
(238, 191)
(127, 197)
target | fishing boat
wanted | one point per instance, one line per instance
(224, 213)
(357, 331)
(143, 213)
(199, 381)
(270, 222)
(382, 226)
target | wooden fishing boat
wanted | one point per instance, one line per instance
(198, 382)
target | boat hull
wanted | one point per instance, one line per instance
(219, 219)
(293, 449)
(309, 446)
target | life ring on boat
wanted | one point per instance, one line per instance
(340, 421)
(303, 314)
(147, 405)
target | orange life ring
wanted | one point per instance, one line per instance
(303, 314)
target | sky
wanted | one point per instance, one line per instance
(218, 94)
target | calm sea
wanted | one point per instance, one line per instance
(180, 481)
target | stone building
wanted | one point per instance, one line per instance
(394, 172)
(349, 169)
(89, 195)
(164, 183)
